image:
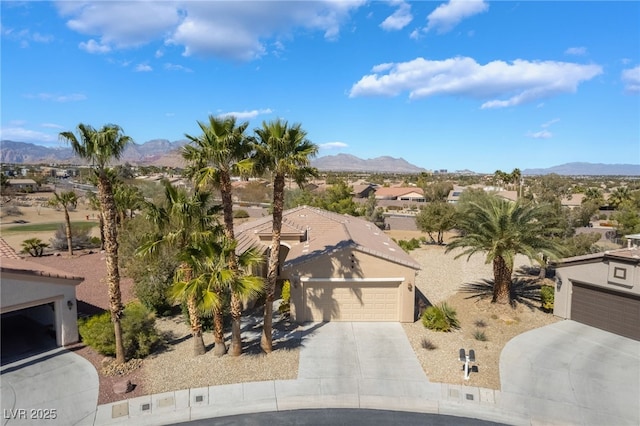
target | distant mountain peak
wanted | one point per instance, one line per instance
(588, 169)
(350, 163)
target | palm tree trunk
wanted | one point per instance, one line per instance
(196, 327)
(108, 207)
(266, 342)
(543, 268)
(101, 226)
(236, 304)
(502, 281)
(236, 316)
(67, 221)
(218, 333)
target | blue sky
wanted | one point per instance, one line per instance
(445, 85)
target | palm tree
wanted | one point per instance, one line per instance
(128, 198)
(502, 229)
(215, 157)
(284, 151)
(99, 147)
(67, 200)
(189, 225)
(619, 196)
(593, 194)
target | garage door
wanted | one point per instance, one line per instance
(608, 310)
(351, 301)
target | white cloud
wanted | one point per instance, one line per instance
(93, 46)
(226, 29)
(543, 134)
(25, 36)
(176, 67)
(333, 145)
(246, 115)
(399, 19)
(448, 15)
(121, 24)
(549, 123)
(159, 53)
(20, 134)
(631, 79)
(577, 51)
(73, 97)
(500, 84)
(52, 126)
(143, 68)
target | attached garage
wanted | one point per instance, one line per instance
(37, 304)
(341, 268)
(351, 300)
(608, 310)
(601, 290)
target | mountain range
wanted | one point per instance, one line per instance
(161, 152)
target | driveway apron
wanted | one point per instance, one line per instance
(358, 350)
(56, 387)
(574, 374)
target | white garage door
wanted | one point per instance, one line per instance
(352, 301)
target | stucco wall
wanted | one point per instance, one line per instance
(350, 263)
(22, 291)
(612, 274)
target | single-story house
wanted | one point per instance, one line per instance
(400, 193)
(601, 290)
(37, 294)
(363, 190)
(341, 268)
(23, 184)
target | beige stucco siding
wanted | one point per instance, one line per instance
(20, 291)
(348, 266)
(612, 274)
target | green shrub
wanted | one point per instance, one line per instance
(286, 298)
(80, 238)
(240, 214)
(139, 334)
(408, 245)
(480, 336)
(440, 318)
(547, 296)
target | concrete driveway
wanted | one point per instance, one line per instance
(56, 387)
(570, 373)
(358, 350)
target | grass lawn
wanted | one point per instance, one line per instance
(46, 227)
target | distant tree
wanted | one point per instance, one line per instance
(581, 244)
(628, 220)
(34, 247)
(436, 217)
(67, 200)
(372, 212)
(619, 196)
(593, 195)
(338, 198)
(437, 191)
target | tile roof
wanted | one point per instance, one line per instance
(11, 262)
(322, 232)
(397, 191)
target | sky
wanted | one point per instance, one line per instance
(460, 84)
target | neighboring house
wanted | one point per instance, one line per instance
(454, 195)
(38, 294)
(23, 184)
(572, 201)
(363, 190)
(341, 268)
(601, 290)
(400, 193)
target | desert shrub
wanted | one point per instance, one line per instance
(286, 298)
(139, 334)
(12, 211)
(80, 237)
(547, 296)
(408, 245)
(152, 292)
(480, 323)
(480, 336)
(440, 318)
(427, 344)
(240, 214)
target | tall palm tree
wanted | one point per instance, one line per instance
(593, 194)
(188, 224)
(66, 200)
(502, 229)
(215, 157)
(283, 150)
(99, 147)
